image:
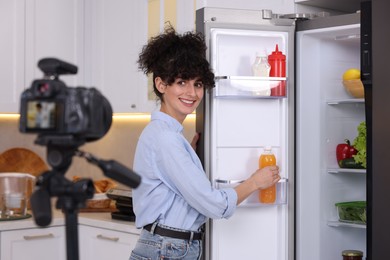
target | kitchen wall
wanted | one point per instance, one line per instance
(118, 144)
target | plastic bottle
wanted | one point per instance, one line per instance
(261, 67)
(267, 158)
(277, 60)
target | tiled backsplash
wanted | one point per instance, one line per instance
(118, 144)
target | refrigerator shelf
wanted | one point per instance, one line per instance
(247, 86)
(345, 170)
(253, 199)
(336, 223)
(345, 101)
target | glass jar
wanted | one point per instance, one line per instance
(352, 255)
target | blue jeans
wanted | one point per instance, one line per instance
(155, 247)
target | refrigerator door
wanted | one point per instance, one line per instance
(326, 116)
(238, 119)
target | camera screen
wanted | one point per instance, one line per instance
(41, 115)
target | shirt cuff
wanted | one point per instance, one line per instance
(231, 195)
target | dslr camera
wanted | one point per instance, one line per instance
(50, 108)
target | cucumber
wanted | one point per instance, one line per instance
(350, 163)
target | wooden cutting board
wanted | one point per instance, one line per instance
(22, 160)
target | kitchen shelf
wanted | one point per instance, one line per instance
(345, 170)
(345, 101)
(253, 199)
(336, 223)
(248, 86)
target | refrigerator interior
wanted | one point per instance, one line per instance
(326, 115)
(241, 125)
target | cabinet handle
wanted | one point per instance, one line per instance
(50, 235)
(115, 239)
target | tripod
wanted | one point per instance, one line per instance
(71, 195)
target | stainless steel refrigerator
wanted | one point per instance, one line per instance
(239, 117)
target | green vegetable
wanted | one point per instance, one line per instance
(360, 144)
(353, 211)
(350, 163)
(363, 216)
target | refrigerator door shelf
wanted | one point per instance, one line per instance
(253, 199)
(247, 86)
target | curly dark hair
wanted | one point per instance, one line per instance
(171, 56)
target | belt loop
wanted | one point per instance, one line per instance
(153, 227)
(191, 236)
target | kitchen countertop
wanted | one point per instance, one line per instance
(94, 219)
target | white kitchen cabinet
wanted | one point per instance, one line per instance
(102, 244)
(34, 244)
(34, 29)
(12, 22)
(54, 28)
(117, 30)
(102, 38)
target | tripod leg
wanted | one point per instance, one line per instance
(72, 236)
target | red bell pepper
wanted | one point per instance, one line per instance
(345, 150)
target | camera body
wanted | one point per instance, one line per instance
(49, 107)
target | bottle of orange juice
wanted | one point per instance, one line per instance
(267, 158)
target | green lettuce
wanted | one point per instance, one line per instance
(360, 144)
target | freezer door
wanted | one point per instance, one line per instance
(238, 120)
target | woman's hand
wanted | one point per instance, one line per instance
(266, 177)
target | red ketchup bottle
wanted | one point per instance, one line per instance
(277, 60)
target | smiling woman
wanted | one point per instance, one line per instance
(175, 197)
(164, 158)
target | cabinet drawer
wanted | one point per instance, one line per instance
(100, 243)
(36, 243)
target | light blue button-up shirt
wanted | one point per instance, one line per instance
(174, 190)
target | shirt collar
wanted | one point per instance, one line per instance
(172, 122)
